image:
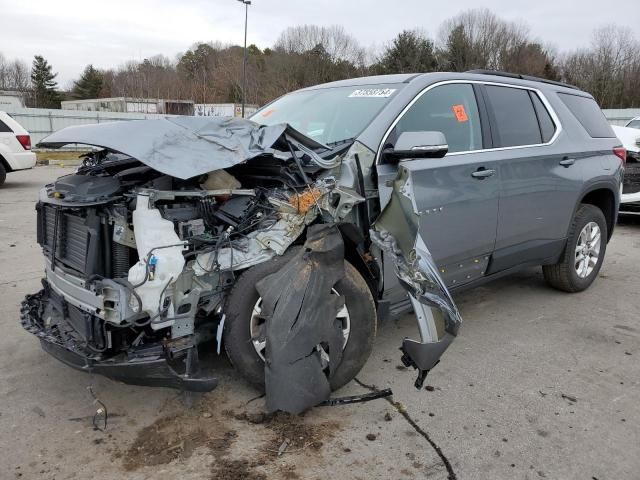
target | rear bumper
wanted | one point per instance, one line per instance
(21, 161)
(630, 208)
(628, 198)
(633, 155)
(154, 370)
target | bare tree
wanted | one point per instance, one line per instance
(309, 54)
(14, 75)
(338, 45)
(478, 39)
(609, 69)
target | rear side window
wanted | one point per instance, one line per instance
(515, 117)
(547, 127)
(4, 128)
(450, 109)
(588, 113)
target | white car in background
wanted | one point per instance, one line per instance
(630, 138)
(15, 147)
(634, 123)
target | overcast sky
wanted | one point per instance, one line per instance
(73, 33)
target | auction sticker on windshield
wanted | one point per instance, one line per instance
(372, 92)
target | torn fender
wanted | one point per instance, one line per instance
(397, 233)
(300, 313)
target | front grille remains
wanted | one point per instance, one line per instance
(72, 240)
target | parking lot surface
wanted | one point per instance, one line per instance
(538, 384)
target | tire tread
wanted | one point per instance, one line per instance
(247, 362)
(560, 275)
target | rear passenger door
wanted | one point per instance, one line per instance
(456, 196)
(536, 188)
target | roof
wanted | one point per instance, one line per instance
(370, 80)
(11, 93)
(497, 73)
(432, 77)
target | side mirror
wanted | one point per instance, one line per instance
(411, 145)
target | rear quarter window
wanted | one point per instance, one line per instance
(588, 113)
(4, 128)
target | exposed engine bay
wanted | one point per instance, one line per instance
(140, 260)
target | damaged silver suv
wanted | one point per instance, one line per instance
(284, 238)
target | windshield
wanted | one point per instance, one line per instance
(634, 123)
(329, 115)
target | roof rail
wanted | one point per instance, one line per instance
(522, 77)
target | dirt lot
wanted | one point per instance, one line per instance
(539, 384)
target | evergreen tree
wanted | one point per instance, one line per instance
(458, 55)
(89, 85)
(45, 93)
(410, 52)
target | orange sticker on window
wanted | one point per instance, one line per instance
(266, 113)
(461, 115)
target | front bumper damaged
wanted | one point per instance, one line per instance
(154, 367)
(397, 234)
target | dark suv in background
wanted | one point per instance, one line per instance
(436, 181)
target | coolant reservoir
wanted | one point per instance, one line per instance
(157, 236)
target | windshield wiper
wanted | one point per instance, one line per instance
(341, 142)
(337, 148)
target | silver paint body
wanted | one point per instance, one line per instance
(518, 216)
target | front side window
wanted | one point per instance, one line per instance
(515, 117)
(450, 109)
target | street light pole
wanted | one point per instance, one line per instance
(244, 59)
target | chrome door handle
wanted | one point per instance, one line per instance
(483, 173)
(567, 162)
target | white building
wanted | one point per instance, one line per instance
(223, 110)
(131, 105)
(10, 99)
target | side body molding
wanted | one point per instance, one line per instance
(397, 233)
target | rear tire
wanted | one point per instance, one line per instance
(3, 174)
(243, 297)
(564, 275)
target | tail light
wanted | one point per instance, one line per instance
(25, 141)
(621, 153)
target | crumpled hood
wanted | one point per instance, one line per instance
(183, 147)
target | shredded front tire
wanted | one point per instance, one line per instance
(237, 336)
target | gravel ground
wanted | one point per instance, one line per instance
(539, 384)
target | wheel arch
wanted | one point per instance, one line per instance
(603, 198)
(353, 242)
(5, 164)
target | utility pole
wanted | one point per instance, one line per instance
(244, 60)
